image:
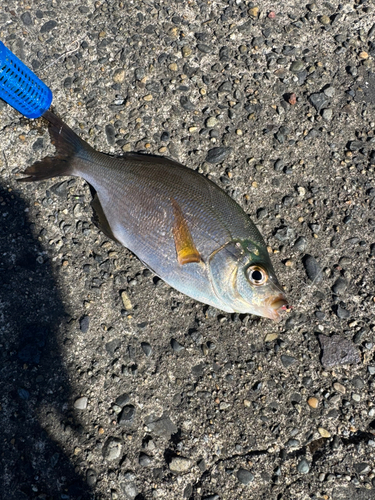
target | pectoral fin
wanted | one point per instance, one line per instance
(99, 218)
(185, 248)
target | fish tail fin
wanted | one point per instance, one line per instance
(68, 146)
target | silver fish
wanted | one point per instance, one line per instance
(177, 222)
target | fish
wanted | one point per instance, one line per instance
(179, 224)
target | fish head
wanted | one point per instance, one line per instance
(244, 281)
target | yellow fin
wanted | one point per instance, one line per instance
(185, 248)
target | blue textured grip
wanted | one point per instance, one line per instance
(20, 87)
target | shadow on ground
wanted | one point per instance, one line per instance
(32, 377)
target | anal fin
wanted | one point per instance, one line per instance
(99, 218)
(185, 247)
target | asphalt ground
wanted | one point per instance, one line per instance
(114, 385)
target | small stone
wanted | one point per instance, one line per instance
(339, 286)
(180, 464)
(130, 490)
(81, 403)
(112, 449)
(126, 301)
(362, 467)
(91, 477)
(356, 397)
(342, 313)
(300, 245)
(339, 388)
(329, 91)
(303, 466)
(202, 47)
(176, 346)
(319, 101)
(313, 402)
(297, 66)
(327, 114)
(325, 20)
(186, 103)
(161, 426)
(144, 460)
(146, 348)
(312, 268)
(122, 400)
(245, 476)
(173, 67)
(211, 122)
(363, 55)
(338, 350)
(148, 97)
(119, 75)
(270, 337)
(254, 12)
(186, 51)
(84, 324)
(217, 155)
(288, 361)
(110, 133)
(323, 432)
(26, 18)
(126, 417)
(48, 26)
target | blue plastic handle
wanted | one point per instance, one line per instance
(20, 87)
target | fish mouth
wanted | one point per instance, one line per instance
(275, 307)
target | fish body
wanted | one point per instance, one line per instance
(177, 222)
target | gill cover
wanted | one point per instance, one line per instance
(224, 265)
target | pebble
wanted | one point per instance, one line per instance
(130, 490)
(148, 97)
(297, 66)
(325, 20)
(338, 350)
(119, 75)
(186, 103)
(186, 51)
(122, 400)
(81, 403)
(323, 432)
(339, 387)
(288, 361)
(303, 466)
(112, 449)
(244, 476)
(300, 244)
(161, 426)
(146, 348)
(180, 464)
(356, 397)
(253, 12)
(363, 55)
(341, 312)
(362, 468)
(270, 337)
(126, 301)
(110, 133)
(313, 402)
(312, 268)
(144, 460)
(91, 477)
(217, 155)
(211, 122)
(176, 346)
(84, 324)
(339, 286)
(327, 114)
(126, 417)
(319, 100)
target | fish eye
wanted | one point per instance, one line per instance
(256, 275)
